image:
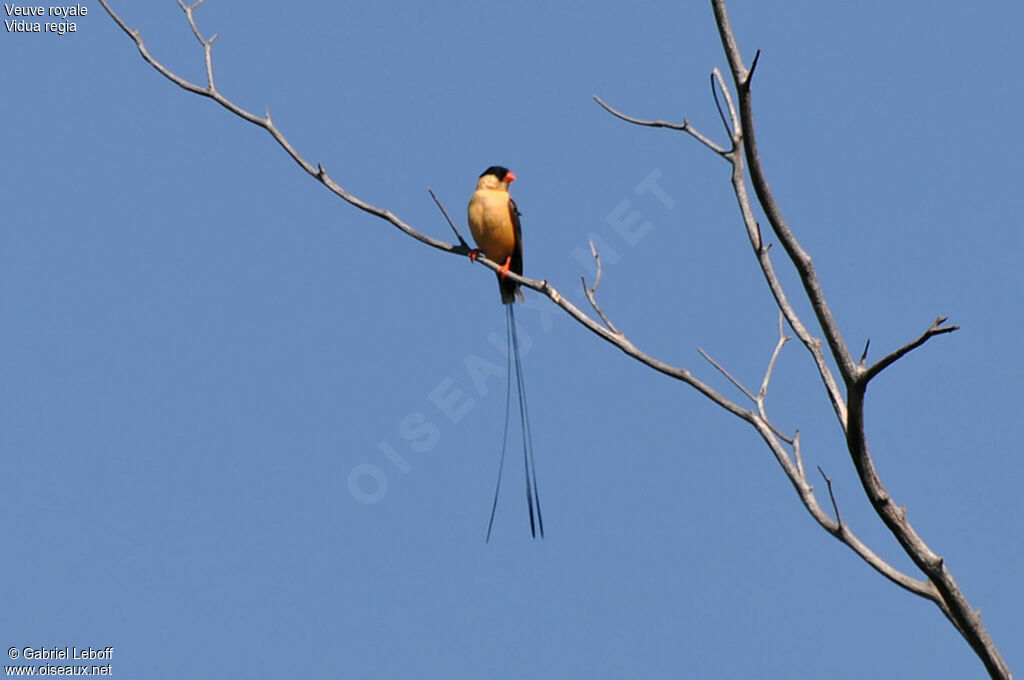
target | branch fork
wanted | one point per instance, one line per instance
(742, 154)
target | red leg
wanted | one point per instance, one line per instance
(503, 269)
(473, 254)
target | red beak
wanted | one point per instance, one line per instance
(510, 176)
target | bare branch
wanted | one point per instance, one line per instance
(685, 127)
(828, 481)
(760, 400)
(207, 44)
(945, 593)
(320, 174)
(801, 260)
(798, 455)
(768, 432)
(812, 343)
(783, 339)
(444, 212)
(734, 132)
(794, 472)
(949, 597)
(939, 586)
(726, 373)
(267, 124)
(761, 251)
(753, 65)
(591, 293)
(935, 329)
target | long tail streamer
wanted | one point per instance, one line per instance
(529, 467)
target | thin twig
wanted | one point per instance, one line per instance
(685, 127)
(726, 373)
(734, 131)
(783, 339)
(729, 131)
(798, 455)
(761, 407)
(591, 293)
(828, 481)
(935, 329)
(753, 65)
(444, 212)
(207, 44)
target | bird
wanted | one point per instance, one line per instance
(494, 224)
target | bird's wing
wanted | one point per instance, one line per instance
(517, 252)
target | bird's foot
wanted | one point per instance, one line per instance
(503, 269)
(474, 253)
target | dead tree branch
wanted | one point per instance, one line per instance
(591, 292)
(728, 375)
(462, 241)
(938, 586)
(947, 594)
(935, 329)
(832, 495)
(609, 334)
(685, 127)
(737, 160)
(797, 255)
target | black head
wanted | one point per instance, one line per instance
(496, 170)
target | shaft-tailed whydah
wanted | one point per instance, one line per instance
(494, 223)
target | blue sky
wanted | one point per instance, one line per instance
(200, 343)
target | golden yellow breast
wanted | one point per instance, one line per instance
(491, 224)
